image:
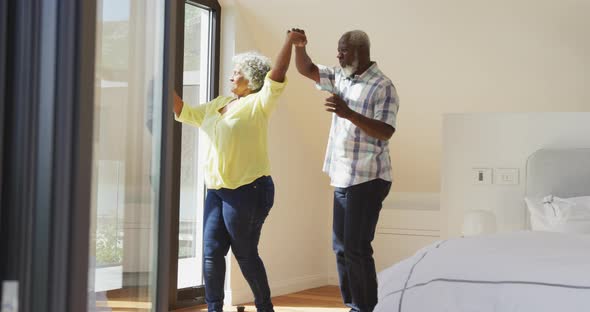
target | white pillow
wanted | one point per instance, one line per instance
(554, 214)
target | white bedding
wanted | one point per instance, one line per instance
(523, 271)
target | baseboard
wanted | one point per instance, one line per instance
(278, 288)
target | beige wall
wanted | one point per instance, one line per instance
(443, 56)
(295, 242)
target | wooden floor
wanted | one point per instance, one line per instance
(322, 299)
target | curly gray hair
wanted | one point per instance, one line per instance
(254, 66)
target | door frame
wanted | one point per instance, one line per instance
(191, 296)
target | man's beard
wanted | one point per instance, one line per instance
(349, 70)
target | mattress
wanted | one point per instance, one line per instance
(521, 271)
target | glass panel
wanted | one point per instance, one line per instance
(126, 155)
(195, 86)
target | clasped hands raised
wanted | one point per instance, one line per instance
(334, 103)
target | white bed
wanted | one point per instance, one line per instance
(527, 271)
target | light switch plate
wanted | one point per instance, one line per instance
(482, 176)
(506, 176)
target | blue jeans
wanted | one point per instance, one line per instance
(234, 218)
(356, 211)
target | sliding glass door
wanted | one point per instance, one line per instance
(129, 161)
(126, 157)
(100, 192)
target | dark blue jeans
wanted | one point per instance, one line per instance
(356, 211)
(234, 218)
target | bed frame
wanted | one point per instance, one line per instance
(559, 172)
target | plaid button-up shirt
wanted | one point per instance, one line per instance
(352, 156)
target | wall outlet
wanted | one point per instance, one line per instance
(506, 176)
(482, 176)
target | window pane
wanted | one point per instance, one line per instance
(126, 155)
(196, 58)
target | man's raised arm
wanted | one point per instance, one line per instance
(303, 62)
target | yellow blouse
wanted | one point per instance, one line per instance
(238, 153)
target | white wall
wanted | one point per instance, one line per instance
(502, 140)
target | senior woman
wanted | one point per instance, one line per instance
(240, 190)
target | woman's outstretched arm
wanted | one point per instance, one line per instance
(281, 65)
